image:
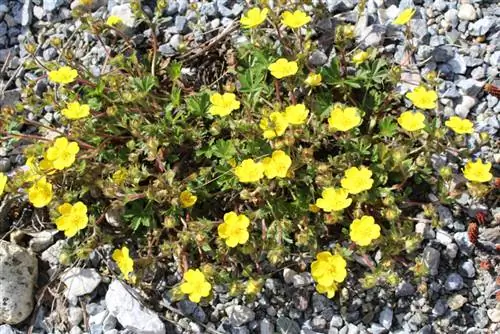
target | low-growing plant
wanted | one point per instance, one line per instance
(276, 163)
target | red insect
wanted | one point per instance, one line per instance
(481, 217)
(492, 89)
(473, 233)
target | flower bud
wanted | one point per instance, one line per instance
(446, 172)
(484, 137)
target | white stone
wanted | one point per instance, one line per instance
(494, 314)
(130, 313)
(443, 237)
(466, 12)
(80, 281)
(464, 107)
(125, 13)
(18, 274)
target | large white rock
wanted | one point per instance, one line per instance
(80, 281)
(18, 274)
(130, 313)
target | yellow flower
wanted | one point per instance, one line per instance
(360, 57)
(253, 286)
(277, 165)
(195, 285)
(296, 19)
(40, 193)
(423, 98)
(404, 16)
(411, 121)
(364, 230)
(222, 105)
(328, 290)
(249, 171)
(477, 171)
(234, 229)
(187, 199)
(344, 119)
(459, 125)
(296, 114)
(254, 17)
(333, 199)
(274, 125)
(75, 110)
(313, 79)
(73, 218)
(3, 183)
(357, 180)
(114, 20)
(124, 262)
(63, 75)
(328, 269)
(62, 153)
(282, 68)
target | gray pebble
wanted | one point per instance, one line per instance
(454, 282)
(466, 269)
(5, 165)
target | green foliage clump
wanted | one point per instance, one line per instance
(228, 178)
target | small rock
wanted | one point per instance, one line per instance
(454, 282)
(455, 302)
(405, 289)
(80, 281)
(302, 279)
(431, 259)
(458, 65)
(266, 327)
(5, 165)
(465, 105)
(443, 53)
(466, 269)
(75, 315)
(439, 308)
(320, 302)
(288, 275)
(482, 26)
(385, 317)
(470, 87)
(463, 242)
(51, 255)
(18, 274)
(50, 5)
(130, 313)
(181, 24)
(466, 12)
(240, 315)
(336, 321)
(285, 325)
(300, 300)
(318, 58)
(480, 318)
(49, 54)
(451, 251)
(443, 237)
(377, 329)
(373, 35)
(494, 314)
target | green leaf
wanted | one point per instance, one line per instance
(224, 149)
(145, 84)
(197, 105)
(387, 127)
(331, 74)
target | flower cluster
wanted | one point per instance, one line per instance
(275, 166)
